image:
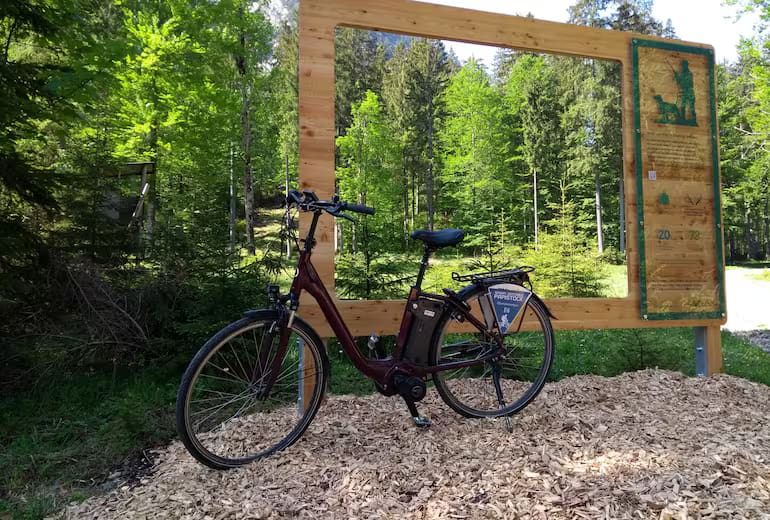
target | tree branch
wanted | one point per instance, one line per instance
(8, 40)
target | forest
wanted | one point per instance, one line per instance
(146, 146)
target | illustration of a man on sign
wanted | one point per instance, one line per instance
(683, 111)
(686, 92)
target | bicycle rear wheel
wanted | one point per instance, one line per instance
(521, 372)
(228, 413)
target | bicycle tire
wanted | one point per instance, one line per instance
(268, 417)
(466, 390)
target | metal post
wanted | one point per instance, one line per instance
(701, 360)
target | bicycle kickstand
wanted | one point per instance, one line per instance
(412, 389)
(419, 421)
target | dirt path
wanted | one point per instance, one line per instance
(748, 301)
(748, 312)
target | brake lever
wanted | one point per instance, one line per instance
(342, 215)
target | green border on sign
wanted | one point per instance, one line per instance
(709, 53)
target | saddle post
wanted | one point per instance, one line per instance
(423, 266)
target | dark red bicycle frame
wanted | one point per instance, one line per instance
(380, 370)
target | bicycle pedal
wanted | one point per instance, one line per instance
(421, 422)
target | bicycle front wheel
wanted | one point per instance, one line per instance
(503, 387)
(238, 403)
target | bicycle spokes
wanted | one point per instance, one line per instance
(249, 386)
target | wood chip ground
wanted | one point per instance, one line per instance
(648, 444)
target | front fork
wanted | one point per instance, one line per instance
(282, 329)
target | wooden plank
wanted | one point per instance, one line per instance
(129, 169)
(466, 25)
(384, 316)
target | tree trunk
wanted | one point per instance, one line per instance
(150, 202)
(430, 165)
(248, 176)
(766, 219)
(288, 217)
(599, 233)
(732, 246)
(233, 199)
(749, 235)
(414, 200)
(534, 198)
(405, 194)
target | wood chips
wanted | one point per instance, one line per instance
(649, 444)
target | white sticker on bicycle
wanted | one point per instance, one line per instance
(508, 301)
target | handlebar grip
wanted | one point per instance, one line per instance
(358, 208)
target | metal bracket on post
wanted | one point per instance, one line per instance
(701, 360)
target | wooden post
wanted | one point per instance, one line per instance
(713, 349)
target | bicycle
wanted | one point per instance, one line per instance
(255, 386)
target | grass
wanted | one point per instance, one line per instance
(607, 353)
(762, 276)
(59, 440)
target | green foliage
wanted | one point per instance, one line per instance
(368, 161)
(566, 259)
(359, 276)
(69, 432)
(474, 173)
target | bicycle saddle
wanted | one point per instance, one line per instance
(441, 238)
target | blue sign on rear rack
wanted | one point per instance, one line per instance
(508, 301)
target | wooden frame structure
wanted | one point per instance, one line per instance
(317, 23)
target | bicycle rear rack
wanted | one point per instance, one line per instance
(518, 275)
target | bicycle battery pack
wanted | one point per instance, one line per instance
(504, 304)
(425, 316)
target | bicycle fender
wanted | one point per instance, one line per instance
(541, 302)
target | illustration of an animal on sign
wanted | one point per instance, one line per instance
(669, 112)
(681, 112)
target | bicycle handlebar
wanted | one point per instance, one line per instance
(307, 201)
(357, 208)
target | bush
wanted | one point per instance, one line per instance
(613, 256)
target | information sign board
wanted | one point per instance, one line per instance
(677, 174)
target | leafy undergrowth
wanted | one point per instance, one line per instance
(60, 440)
